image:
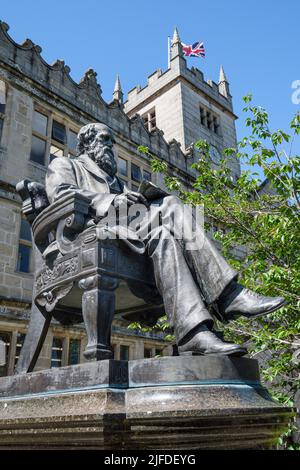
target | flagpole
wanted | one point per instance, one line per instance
(169, 50)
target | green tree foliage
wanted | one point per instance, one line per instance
(259, 211)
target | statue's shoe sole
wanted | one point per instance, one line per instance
(234, 353)
(235, 315)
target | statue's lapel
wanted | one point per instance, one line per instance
(92, 167)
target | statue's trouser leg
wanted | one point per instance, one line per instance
(211, 270)
(182, 299)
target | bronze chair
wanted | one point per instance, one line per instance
(80, 275)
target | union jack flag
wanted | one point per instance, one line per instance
(194, 50)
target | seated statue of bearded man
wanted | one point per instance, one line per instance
(188, 280)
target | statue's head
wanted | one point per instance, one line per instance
(97, 141)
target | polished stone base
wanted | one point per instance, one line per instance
(152, 404)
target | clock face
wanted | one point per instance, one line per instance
(215, 154)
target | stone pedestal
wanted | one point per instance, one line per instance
(170, 403)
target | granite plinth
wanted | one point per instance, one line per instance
(98, 374)
(167, 403)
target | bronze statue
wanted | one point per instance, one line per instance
(91, 257)
(188, 280)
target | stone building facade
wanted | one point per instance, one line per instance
(41, 111)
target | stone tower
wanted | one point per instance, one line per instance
(185, 106)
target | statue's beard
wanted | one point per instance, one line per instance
(104, 157)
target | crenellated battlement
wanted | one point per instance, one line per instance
(134, 91)
(159, 79)
(154, 76)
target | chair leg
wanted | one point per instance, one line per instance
(98, 308)
(34, 340)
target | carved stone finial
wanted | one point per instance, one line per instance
(118, 84)
(58, 64)
(174, 143)
(37, 48)
(4, 26)
(176, 47)
(89, 80)
(222, 77)
(29, 44)
(118, 93)
(61, 66)
(189, 151)
(176, 38)
(223, 84)
(91, 75)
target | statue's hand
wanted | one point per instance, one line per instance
(128, 199)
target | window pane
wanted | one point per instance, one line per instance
(6, 338)
(23, 264)
(72, 140)
(40, 122)
(2, 96)
(58, 132)
(135, 172)
(122, 166)
(55, 152)
(147, 175)
(124, 353)
(20, 342)
(216, 125)
(147, 352)
(74, 351)
(152, 121)
(38, 149)
(25, 230)
(202, 116)
(209, 120)
(152, 118)
(57, 349)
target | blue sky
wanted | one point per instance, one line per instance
(256, 41)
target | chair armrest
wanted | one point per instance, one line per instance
(34, 198)
(70, 212)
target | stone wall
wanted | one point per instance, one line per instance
(193, 130)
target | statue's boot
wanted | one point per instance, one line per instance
(205, 342)
(240, 301)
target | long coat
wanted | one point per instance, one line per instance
(83, 175)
